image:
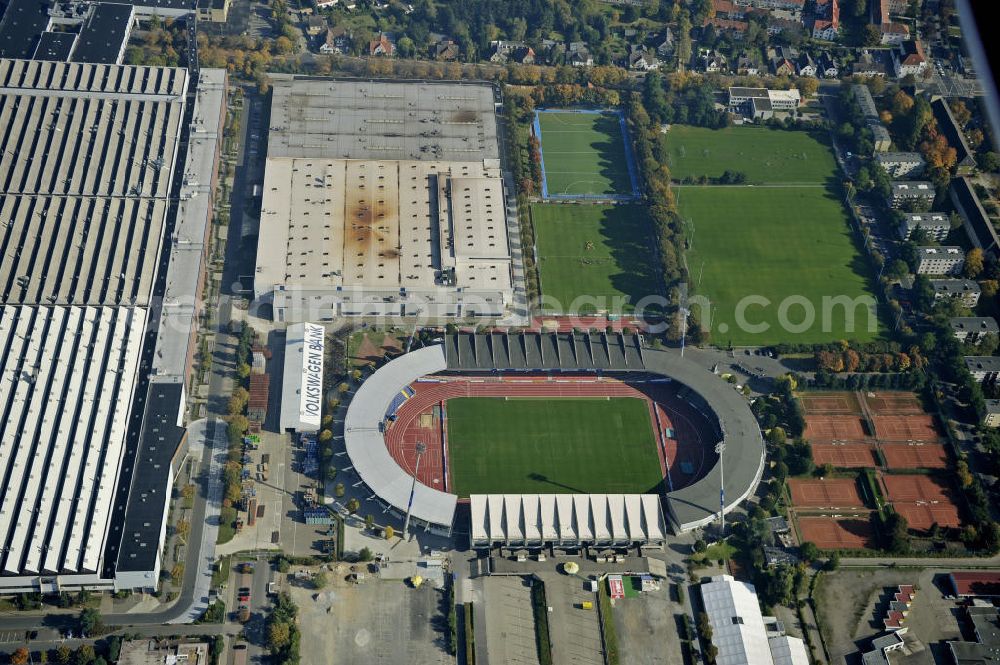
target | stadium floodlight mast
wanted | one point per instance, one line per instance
(421, 448)
(720, 448)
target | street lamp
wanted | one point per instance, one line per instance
(421, 448)
(720, 448)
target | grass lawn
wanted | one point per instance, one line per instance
(596, 251)
(583, 153)
(551, 446)
(227, 525)
(775, 243)
(765, 155)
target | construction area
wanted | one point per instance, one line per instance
(383, 199)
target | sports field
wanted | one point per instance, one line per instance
(598, 254)
(551, 445)
(765, 155)
(776, 245)
(584, 154)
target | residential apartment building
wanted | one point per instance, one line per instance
(912, 190)
(971, 329)
(940, 260)
(984, 369)
(965, 290)
(976, 222)
(936, 225)
(901, 164)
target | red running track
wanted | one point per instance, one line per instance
(419, 420)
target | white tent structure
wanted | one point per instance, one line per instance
(534, 520)
(738, 629)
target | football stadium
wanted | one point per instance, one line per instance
(562, 439)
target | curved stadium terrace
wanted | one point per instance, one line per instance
(411, 398)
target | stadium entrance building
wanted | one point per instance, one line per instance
(302, 383)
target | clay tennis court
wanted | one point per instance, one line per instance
(912, 455)
(922, 516)
(844, 403)
(834, 428)
(893, 403)
(844, 455)
(830, 533)
(829, 493)
(915, 427)
(913, 488)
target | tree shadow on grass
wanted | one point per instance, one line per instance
(628, 232)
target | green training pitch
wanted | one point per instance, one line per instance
(599, 254)
(775, 243)
(551, 446)
(765, 155)
(583, 153)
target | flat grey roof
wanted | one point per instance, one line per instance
(55, 46)
(982, 363)
(314, 117)
(913, 187)
(104, 33)
(980, 324)
(899, 157)
(955, 285)
(84, 183)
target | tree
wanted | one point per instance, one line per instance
(319, 580)
(278, 635)
(331, 473)
(182, 528)
(974, 263)
(339, 490)
(833, 562)
(369, 521)
(807, 85)
(870, 36)
(353, 505)
(243, 370)
(989, 162)
(63, 655)
(90, 621)
(365, 554)
(325, 435)
(84, 655)
(897, 269)
(20, 657)
(389, 533)
(809, 551)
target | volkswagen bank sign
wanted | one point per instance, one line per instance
(302, 394)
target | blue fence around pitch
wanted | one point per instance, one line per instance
(630, 164)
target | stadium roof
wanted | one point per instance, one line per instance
(85, 179)
(68, 379)
(366, 446)
(566, 519)
(313, 117)
(977, 222)
(542, 351)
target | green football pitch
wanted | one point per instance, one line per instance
(551, 446)
(781, 244)
(583, 153)
(594, 254)
(765, 155)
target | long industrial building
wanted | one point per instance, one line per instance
(383, 200)
(93, 399)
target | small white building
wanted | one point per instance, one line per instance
(940, 260)
(992, 417)
(302, 381)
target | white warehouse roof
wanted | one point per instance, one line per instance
(68, 378)
(571, 519)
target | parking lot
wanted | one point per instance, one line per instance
(648, 629)
(373, 623)
(575, 632)
(510, 625)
